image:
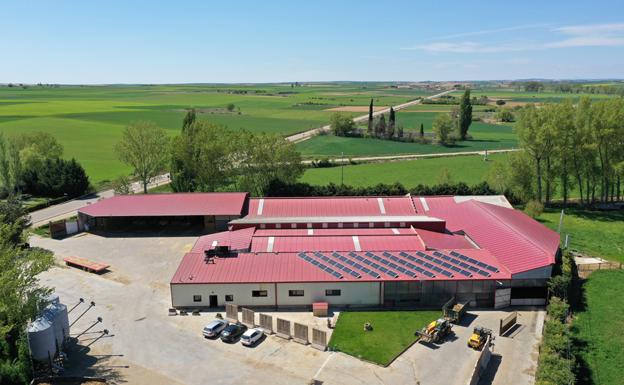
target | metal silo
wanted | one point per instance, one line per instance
(41, 339)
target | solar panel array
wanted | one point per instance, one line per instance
(405, 263)
(356, 265)
(316, 263)
(337, 265)
(475, 262)
(409, 265)
(374, 265)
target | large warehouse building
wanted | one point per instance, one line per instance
(370, 251)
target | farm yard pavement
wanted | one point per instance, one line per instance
(149, 347)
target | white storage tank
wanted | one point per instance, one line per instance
(56, 313)
(41, 339)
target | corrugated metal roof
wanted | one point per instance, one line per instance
(178, 204)
(288, 267)
(518, 241)
(236, 240)
(436, 240)
(333, 232)
(336, 219)
(337, 243)
(331, 207)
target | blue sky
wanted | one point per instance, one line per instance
(264, 41)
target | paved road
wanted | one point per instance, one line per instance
(310, 133)
(69, 208)
(382, 158)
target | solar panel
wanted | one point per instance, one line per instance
(316, 263)
(456, 262)
(375, 265)
(428, 265)
(337, 265)
(356, 265)
(483, 265)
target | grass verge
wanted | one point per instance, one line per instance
(393, 332)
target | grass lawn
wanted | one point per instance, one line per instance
(598, 329)
(470, 169)
(392, 332)
(597, 233)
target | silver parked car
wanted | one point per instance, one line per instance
(214, 328)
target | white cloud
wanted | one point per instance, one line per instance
(596, 35)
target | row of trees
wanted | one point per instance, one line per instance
(207, 157)
(21, 296)
(577, 146)
(31, 163)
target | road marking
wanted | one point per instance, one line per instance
(318, 372)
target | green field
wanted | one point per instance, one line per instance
(484, 137)
(393, 331)
(597, 329)
(466, 168)
(88, 120)
(531, 97)
(596, 233)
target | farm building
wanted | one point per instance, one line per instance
(370, 251)
(197, 212)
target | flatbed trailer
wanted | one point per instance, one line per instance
(85, 264)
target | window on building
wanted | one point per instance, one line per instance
(259, 293)
(229, 298)
(262, 226)
(332, 292)
(197, 298)
(325, 225)
(278, 226)
(295, 293)
(293, 226)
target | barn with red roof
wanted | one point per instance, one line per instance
(370, 251)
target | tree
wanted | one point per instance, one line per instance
(400, 131)
(342, 124)
(144, 147)
(21, 296)
(189, 119)
(391, 123)
(35, 148)
(533, 86)
(55, 178)
(534, 208)
(122, 185)
(5, 171)
(231, 107)
(442, 128)
(370, 118)
(422, 130)
(533, 139)
(505, 115)
(465, 114)
(380, 127)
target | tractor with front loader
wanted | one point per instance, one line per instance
(478, 337)
(435, 331)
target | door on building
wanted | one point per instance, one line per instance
(213, 301)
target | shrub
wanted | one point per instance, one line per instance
(342, 124)
(534, 208)
(500, 102)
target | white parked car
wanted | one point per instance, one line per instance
(251, 336)
(214, 328)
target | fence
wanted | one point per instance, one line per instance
(584, 269)
(301, 333)
(266, 323)
(283, 328)
(319, 339)
(249, 317)
(231, 312)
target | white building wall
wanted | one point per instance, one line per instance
(182, 294)
(351, 293)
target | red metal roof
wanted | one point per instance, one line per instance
(336, 243)
(236, 240)
(334, 232)
(288, 267)
(518, 241)
(331, 206)
(178, 204)
(436, 240)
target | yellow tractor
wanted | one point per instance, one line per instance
(434, 331)
(478, 337)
